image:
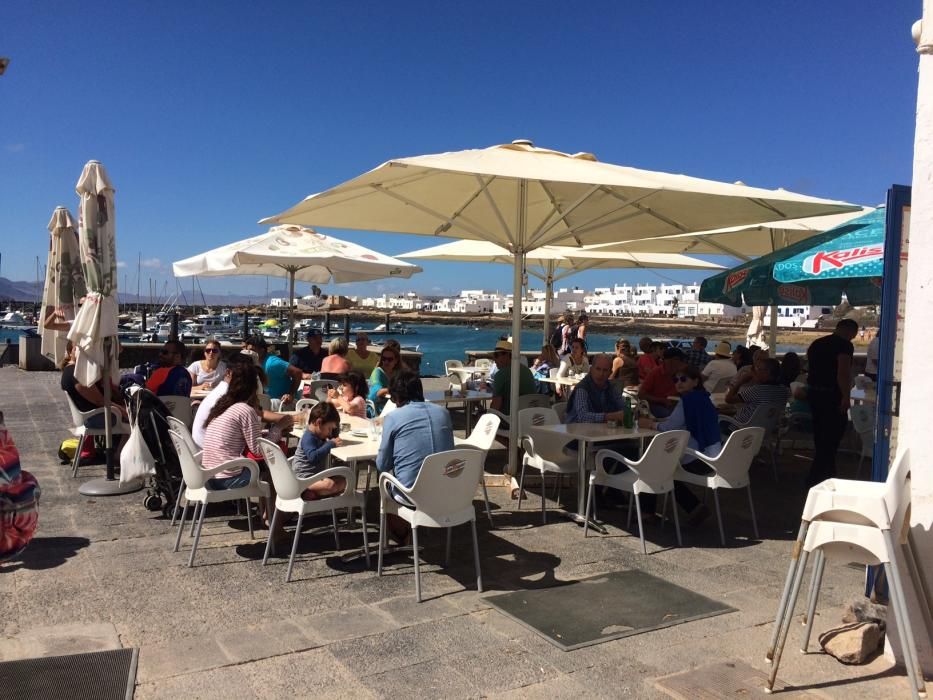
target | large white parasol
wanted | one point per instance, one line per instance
(522, 197)
(64, 285)
(301, 254)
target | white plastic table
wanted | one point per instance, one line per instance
(467, 397)
(586, 434)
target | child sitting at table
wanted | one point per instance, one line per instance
(351, 399)
(316, 444)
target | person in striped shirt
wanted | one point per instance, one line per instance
(763, 386)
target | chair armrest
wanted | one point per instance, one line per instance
(241, 462)
(115, 414)
(730, 420)
(546, 443)
(603, 455)
(344, 472)
(385, 479)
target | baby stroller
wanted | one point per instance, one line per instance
(151, 416)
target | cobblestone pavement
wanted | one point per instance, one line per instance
(101, 574)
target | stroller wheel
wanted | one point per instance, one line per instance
(153, 502)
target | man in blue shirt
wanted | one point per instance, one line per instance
(409, 434)
(282, 379)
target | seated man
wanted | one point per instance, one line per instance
(172, 377)
(658, 386)
(594, 399)
(502, 380)
(409, 434)
(308, 359)
(282, 378)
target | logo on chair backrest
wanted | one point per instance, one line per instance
(487, 428)
(747, 442)
(670, 445)
(537, 419)
(454, 467)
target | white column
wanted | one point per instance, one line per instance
(917, 382)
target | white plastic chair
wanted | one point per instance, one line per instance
(560, 408)
(483, 363)
(851, 521)
(652, 473)
(730, 470)
(302, 404)
(179, 407)
(182, 429)
(767, 416)
(442, 497)
(456, 375)
(863, 420)
(370, 409)
(721, 386)
(543, 451)
(288, 490)
(81, 430)
(317, 389)
(197, 492)
(481, 438)
(388, 408)
(524, 401)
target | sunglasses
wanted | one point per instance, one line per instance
(387, 357)
(211, 351)
(681, 378)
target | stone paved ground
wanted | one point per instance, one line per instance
(101, 575)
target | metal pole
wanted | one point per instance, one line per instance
(772, 336)
(245, 323)
(291, 310)
(144, 319)
(326, 329)
(518, 275)
(548, 291)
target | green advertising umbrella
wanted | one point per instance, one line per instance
(846, 260)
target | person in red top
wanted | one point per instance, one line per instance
(659, 385)
(649, 359)
(172, 377)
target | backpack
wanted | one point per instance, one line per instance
(557, 336)
(66, 451)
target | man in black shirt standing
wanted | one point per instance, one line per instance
(829, 380)
(308, 359)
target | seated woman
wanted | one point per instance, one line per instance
(311, 456)
(335, 364)
(624, 365)
(695, 413)
(379, 380)
(542, 367)
(234, 427)
(574, 364)
(86, 398)
(351, 399)
(763, 386)
(209, 371)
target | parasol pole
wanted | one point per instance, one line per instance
(548, 290)
(772, 335)
(291, 309)
(108, 416)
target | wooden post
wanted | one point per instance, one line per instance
(174, 331)
(346, 327)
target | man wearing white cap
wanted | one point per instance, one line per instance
(720, 367)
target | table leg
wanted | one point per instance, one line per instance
(468, 409)
(580, 516)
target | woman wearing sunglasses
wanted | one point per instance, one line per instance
(695, 413)
(379, 380)
(208, 372)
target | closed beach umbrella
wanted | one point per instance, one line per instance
(300, 253)
(94, 331)
(848, 260)
(522, 197)
(64, 284)
(554, 263)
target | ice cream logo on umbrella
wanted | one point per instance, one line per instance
(734, 280)
(837, 259)
(794, 293)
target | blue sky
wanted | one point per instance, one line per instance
(209, 116)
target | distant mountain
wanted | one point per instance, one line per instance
(29, 291)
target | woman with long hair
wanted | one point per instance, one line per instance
(624, 365)
(208, 372)
(541, 369)
(232, 427)
(381, 378)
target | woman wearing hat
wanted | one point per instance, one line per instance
(719, 368)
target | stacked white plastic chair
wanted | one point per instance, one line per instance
(288, 491)
(852, 521)
(652, 473)
(441, 497)
(730, 470)
(863, 420)
(197, 492)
